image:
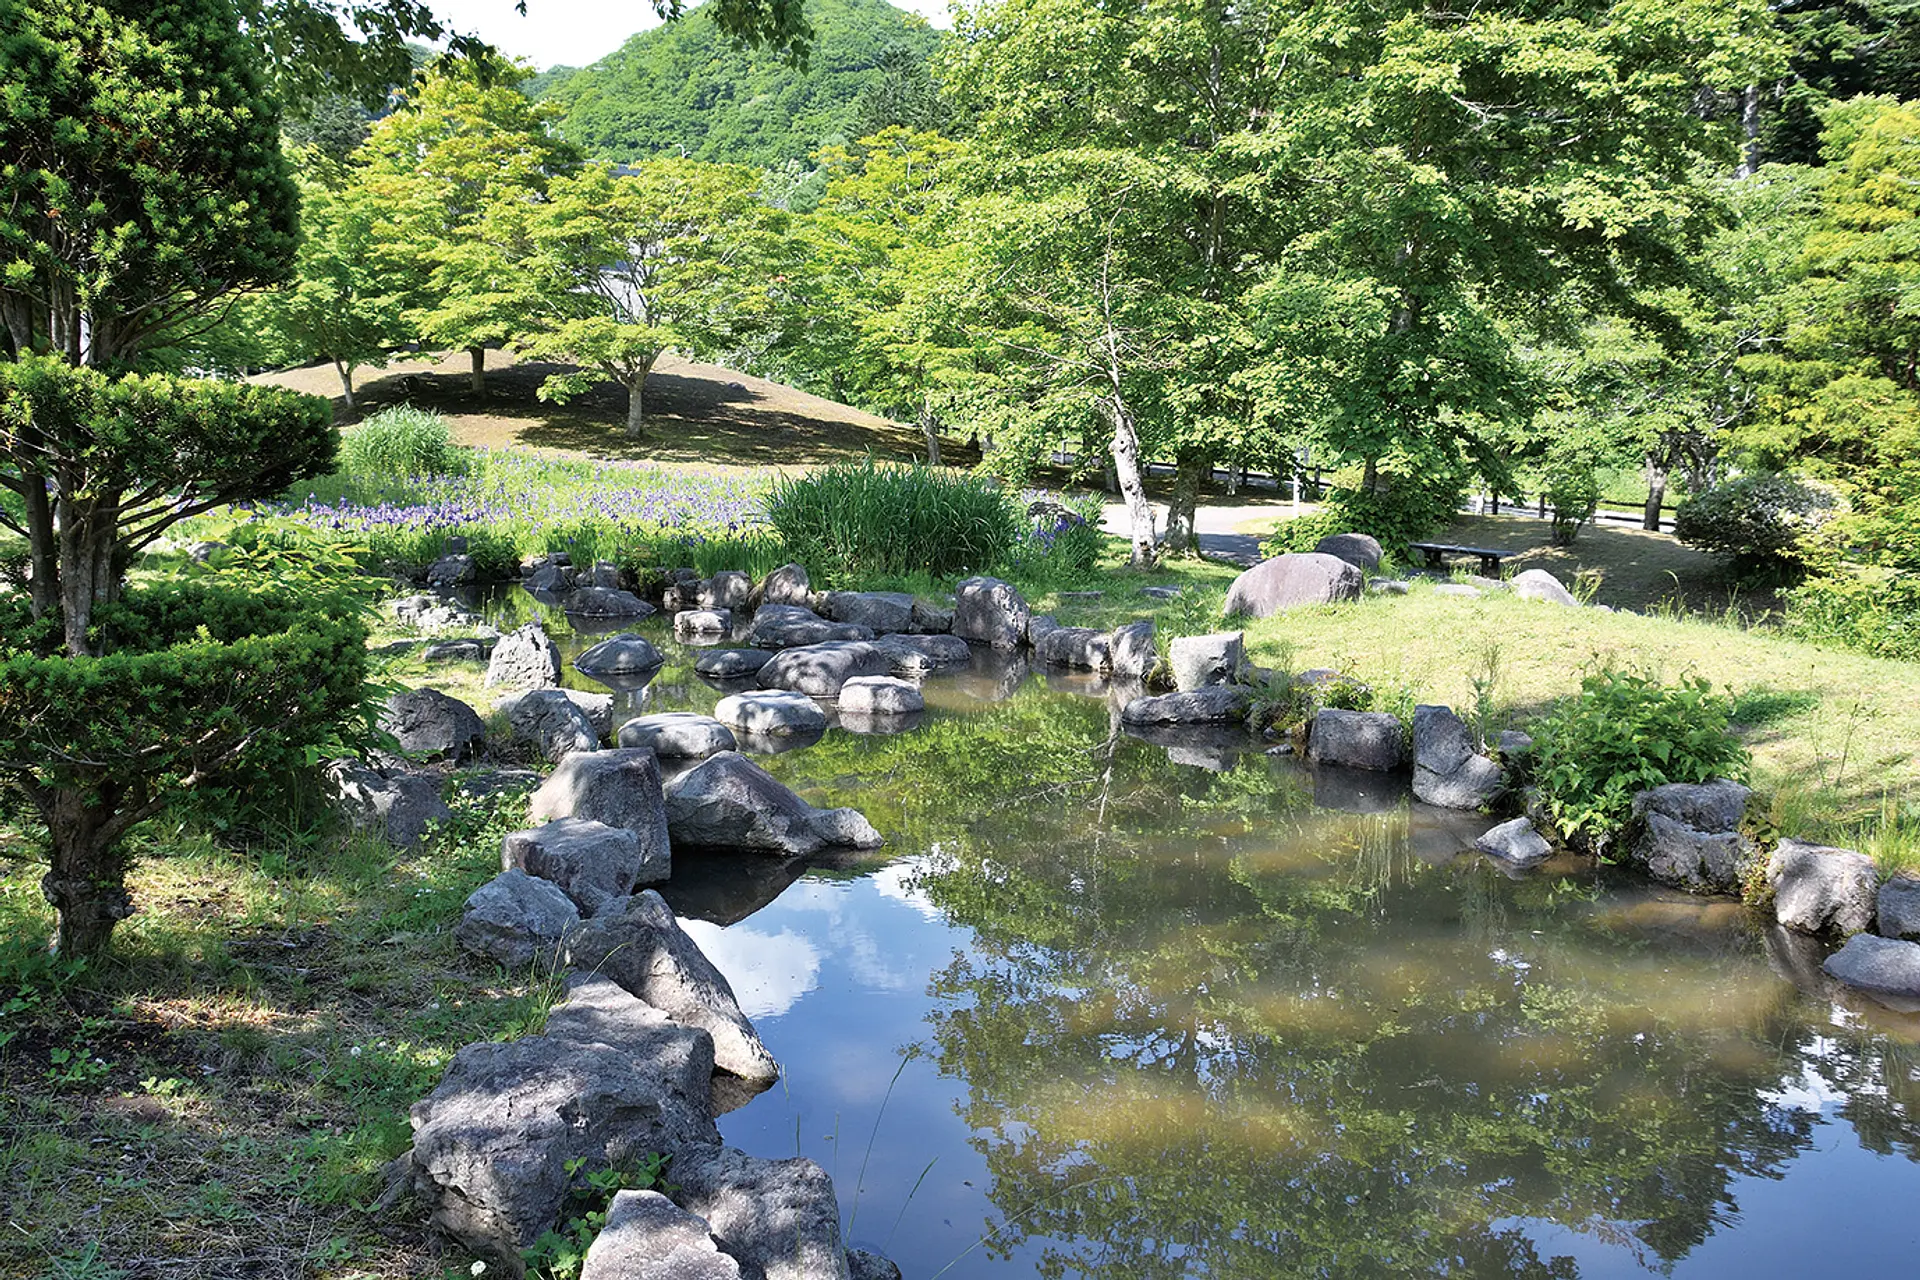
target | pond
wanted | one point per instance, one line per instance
(1105, 1007)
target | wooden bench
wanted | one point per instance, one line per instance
(1437, 552)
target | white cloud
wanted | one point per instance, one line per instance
(769, 971)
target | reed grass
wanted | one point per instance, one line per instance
(858, 521)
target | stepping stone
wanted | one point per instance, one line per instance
(678, 734)
(771, 711)
(880, 695)
(731, 664)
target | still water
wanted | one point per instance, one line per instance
(1113, 1008)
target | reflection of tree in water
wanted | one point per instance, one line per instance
(1214, 1033)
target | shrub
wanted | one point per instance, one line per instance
(858, 520)
(1573, 490)
(1873, 610)
(1402, 508)
(1759, 522)
(400, 441)
(1622, 734)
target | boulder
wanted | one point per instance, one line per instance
(1515, 843)
(620, 787)
(880, 696)
(1515, 745)
(919, 655)
(1691, 859)
(621, 655)
(778, 1218)
(703, 622)
(1819, 889)
(1356, 740)
(786, 585)
(1884, 968)
(431, 613)
(771, 712)
(1898, 908)
(878, 611)
(1290, 580)
(605, 573)
(1538, 584)
(783, 626)
(610, 1082)
(729, 803)
(607, 602)
(1360, 550)
(990, 612)
(1718, 805)
(452, 571)
(591, 862)
(1082, 648)
(598, 709)
(724, 591)
(549, 579)
(427, 723)
(1218, 704)
(649, 1237)
(678, 734)
(864, 1264)
(465, 649)
(639, 945)
(399, 805)
(931, 619)
(1134, 655)
(517, 920)
(819, 670)
(1039, 627)
(1199, 661)
(1447, 771)
(731, 664)
(546, 722)
(525, 658)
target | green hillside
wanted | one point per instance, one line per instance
(686, 87)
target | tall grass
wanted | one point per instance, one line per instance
(858, 521)
(398, 442)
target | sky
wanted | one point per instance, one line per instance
(578, 32)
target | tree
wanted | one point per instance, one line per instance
(142, 182)
(675, 255)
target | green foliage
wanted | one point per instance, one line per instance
(399, 441)
(1622, 734)
(1871, 609)
(1573, 491)
(559, 1253)
(859, 519)
(1062, 542)
(1760, 521)
(1401, 508)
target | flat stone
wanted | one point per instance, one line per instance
(778, 1218)
(729, 803)
(607, 602)
(547, 722)
(1219, 704)
(1899, 908)
(591, 862)
(620, 787)
(1081, 648)
(621, 655)
(780, 626)
(731, 664)
(1356, 740)
(429, 724)
(878, 611)
(517, 920)
(649, 1237)
(772, 711)
(1820, 889)
(880, 695)
(819, 670)
(678, 734)
(525, 658)
(1292, 580)
(918, 655)
(703, 622)
(991, 612)
(1200, 661)
(1134, 654)
(464, 649)
(1515, 843)
(1538, 584)
(1884, 968)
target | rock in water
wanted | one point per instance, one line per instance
(786, 585)
(1886, 969)
(1082, 648)
(703, 622)
(649, 1237)
(1515, 843)
(1360, 550)
(1356, 740)
(1899, 908)
(546, 722)
(1688, 835)
(1817, 889)
(591, 862)
(621, 655)
(931, 619)
(880, 696)
(819, 670)
(918, 655)
(1217, 704)
(728, 802)
(1289, 580)
(1447, 771)
(772, 711)
(878, 611)
(782, 626)
(607, 602)
(642, 948)
(430, 724)
(990, 612)
(1134, 655)
(779, 1218)
(524, 659)
(1199, 661)
(620, 787)
(731, 664)
(678, 734)
(517, 920)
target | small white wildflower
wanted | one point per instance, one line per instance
(478, 1268)
(354, 1052)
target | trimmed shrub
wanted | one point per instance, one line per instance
(858, 520)
(400, 441)
(1759, 522)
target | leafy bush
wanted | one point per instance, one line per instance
(1063, 539)
(853, 521)
(1758, 522)
(1402, 508)
(400, 441)
(1573, 490)
(1622, 734)
(1872, 610)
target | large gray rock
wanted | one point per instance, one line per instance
(1515, 843)
(678, 734)
(399, 805)
(610, 1082)
(731, 664)
(728, 802)
(784, 626)
(1039, 627)
(878, 611)
(1199, 661)
(452, 571)
(649, 1237)
(620, 787)
(772, 711)
(1356, 740)
(1899, 908)
(1290, 580)
(548, 723)
(1688, 858)
(703, 622)
(591, 862)
(1538, 584)
(427, 723)
(778, 1218)
(1447, 771)
(1820, 889)
(931, 619)
(990, 612)
(549, 579)
(1360, 550)
(920, 655)
(525, 658)
(604, 573)
(640, 946)
(1218, 704)
(607, 602)
(621, 655)
(880, 696)
(1884, 968)
(728, 590)
(819, 670)
(786, 585)
(1082, 648)
(1134, 655)
(517, 920)
(1719, 805)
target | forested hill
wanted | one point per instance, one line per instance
(684, 87)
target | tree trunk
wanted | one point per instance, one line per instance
(930, 424)
(637, 407)
(1656, 493)
(345, 371)
(1126, 466)
(477, 381)
(1189, 469)
(45, 548)
(87, 883)
(1750, 128)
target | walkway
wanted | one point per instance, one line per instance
(1218, 541)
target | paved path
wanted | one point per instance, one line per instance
(1215, 525)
